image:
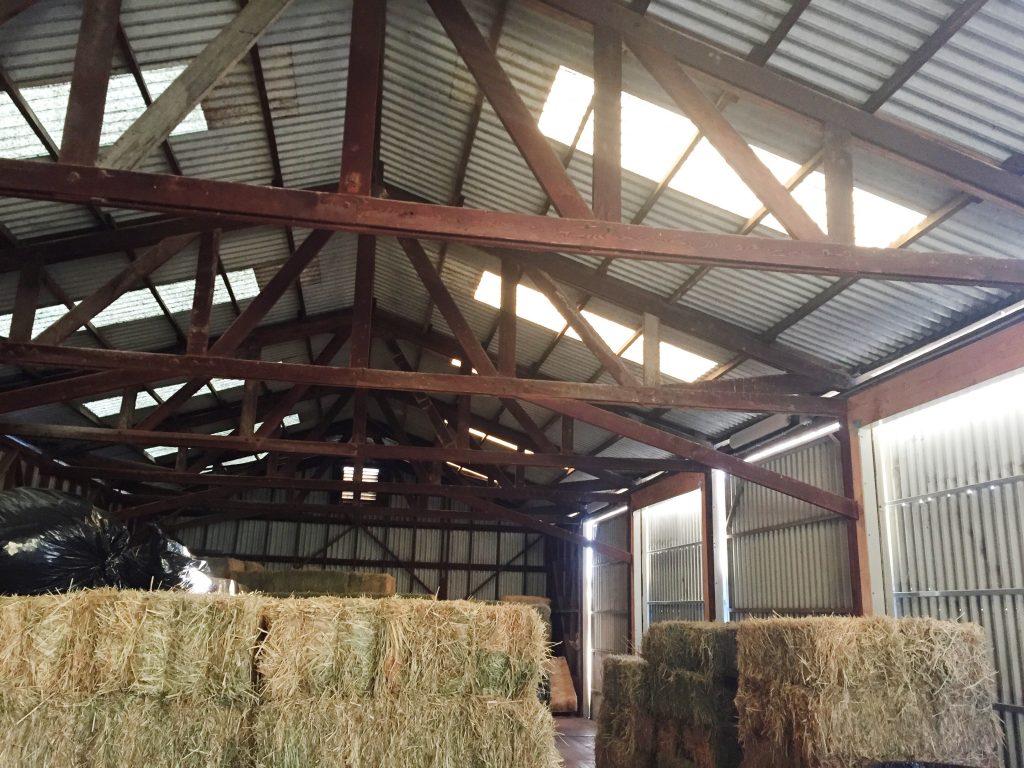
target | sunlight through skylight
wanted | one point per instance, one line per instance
(123, 107)
(653, 138)
(140, 304)
(533, 306)
(370, 475)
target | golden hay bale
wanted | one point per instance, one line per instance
(563, 690)
(121, 731)
(317, 583)
(460, 647)
(110, 641)
(412, 731)
(527, 599)
(697, 646)
(847, 692)
(625, 727)
(319, 647)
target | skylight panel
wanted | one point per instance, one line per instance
(179, 296)
(654, 137)
(219, 385)
(708, 177)
(243, 460)
(45, 317)
(291, 420)
(16, 137)
(159, 450)
(533, 306)
(130, 306)
(123, 107)
(111, 406)
(370, 475)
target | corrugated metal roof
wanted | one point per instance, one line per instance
(966, 93)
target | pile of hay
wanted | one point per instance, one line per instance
(408, 683)
(109, 678)
(625, 724)
(829, 692)
(409, 731)
(301, 583)
(691, 677)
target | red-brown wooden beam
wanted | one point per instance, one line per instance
(510, 108)
(11, 8)
(93, 60)
(26, 300)
(362, 100)
(157, 367)
(355, 213)
(507, 319)
(607, 157)
(202, 299)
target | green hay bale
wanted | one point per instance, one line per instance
(691, 697)
(843, 691)
(625, 726)
(317, 583)
(412, 731)
(460, 648)
(319, 647)
(146, 643)
(669, 751)
(697, 646)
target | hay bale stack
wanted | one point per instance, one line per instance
(300, 583)
(369, 682)
(849, 692)
(625, 724)
(407, 731)
(692, 679)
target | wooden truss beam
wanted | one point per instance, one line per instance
(354, 213)
(93, 59)
(765, 86)
(155, 367)
(194, 83)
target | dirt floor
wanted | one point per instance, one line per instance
(576, 741)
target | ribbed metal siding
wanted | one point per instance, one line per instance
(673, 579)
(953, 500)
(609, 608)
(785, 555)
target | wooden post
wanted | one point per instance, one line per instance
(25, 302)
(707, 528)
(202, 299)
(362, 101)
(839, 184)
(507, 319)
(568, 437)
(359, 352)
(127, 411)
(247, 421)
(652, 350)
(607, 164)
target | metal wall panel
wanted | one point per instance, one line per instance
(609, 607)
(673, 582)
(951, 486)
(785, 555)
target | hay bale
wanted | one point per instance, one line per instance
(691, 697)
(668, 749)
(319, 647)
(413, 731)
(562, 689)
(527, 600)
(697, 646)
(303, 583)
(120, 731)
(146, 643)
(848, 692)
(460, 647)
(352, 648)
(625, 726)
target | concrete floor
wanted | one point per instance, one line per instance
(575, 741)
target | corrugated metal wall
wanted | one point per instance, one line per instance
(787, 556)
(951, 486)
(609, 606)
(673, 583)
(18, 469)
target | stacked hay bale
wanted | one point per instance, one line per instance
(625, 725)
(316, 583)
(108, 679)
(398, 682)
(692, 679)
(829, 692)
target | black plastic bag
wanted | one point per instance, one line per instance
(51, 541)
